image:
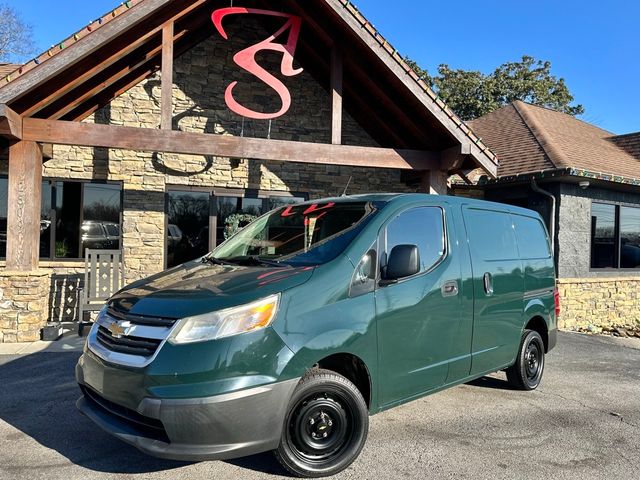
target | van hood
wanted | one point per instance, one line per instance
(196, 288)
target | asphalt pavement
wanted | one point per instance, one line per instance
(582, 423)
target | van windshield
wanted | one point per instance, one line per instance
(301, 235)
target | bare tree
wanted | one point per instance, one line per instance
(16, 36)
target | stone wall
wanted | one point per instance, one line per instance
(24, 305)
(599, 302)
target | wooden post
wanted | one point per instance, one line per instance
(166, 103)
(23, 219)
(336, 95)
(434, 182)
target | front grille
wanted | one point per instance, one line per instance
(141, 320)
(147, 426)
(144, 347)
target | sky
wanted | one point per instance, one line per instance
(593, 44)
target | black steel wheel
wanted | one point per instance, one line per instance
(325, 428)
(526, 373)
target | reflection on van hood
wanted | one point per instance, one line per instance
(196, 288)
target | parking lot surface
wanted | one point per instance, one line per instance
(583, 423)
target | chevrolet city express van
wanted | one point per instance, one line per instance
(315, 316)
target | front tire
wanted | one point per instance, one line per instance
(325, 427)
(526, 373)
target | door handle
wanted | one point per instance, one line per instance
(450, 289)
(488, 284)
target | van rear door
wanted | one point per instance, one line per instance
(498, 284)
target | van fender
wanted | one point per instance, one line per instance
(334, 342)
(535, 308)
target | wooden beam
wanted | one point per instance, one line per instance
(150, 140)
(104, 64)
(23, 216)
(434, 182)
(454, 158)
(10, 124)
(166, 102)
(337, 75)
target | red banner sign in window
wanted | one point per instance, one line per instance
(246, 59)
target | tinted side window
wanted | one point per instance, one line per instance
(423, 227)
(532, 237)
(603, 236)
(491, 235)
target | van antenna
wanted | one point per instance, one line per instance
(344, 194)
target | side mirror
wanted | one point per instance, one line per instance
(403, 262)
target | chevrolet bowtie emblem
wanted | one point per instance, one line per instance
(119, 329)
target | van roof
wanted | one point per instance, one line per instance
(407, 198)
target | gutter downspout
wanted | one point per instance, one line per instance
(552, 227)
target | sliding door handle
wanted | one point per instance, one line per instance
(488, 284)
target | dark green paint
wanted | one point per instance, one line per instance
(412, 340)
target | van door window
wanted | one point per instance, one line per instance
(533, 241)
(424, 227)
(491, 235)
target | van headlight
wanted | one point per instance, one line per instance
(226, 323)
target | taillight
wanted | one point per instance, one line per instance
(556, 299)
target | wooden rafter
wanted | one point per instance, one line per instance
(166, 102)
(145, 139)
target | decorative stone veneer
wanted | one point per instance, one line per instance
(24, 305)
(602, 302)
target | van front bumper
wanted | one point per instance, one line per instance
(215, 428)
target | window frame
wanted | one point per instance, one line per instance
(52, 181)
(617, 237)
(214, 193)
(383, 254)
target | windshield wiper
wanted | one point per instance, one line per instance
(214, 261)
(253, 260)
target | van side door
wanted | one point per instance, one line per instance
(417, 317)
(498, 284)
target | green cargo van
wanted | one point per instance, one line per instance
(291, 333)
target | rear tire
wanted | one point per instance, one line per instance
(526, 373)
(325, 427)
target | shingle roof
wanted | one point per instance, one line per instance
(529, 139)
(630, 143)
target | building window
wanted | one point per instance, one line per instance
(188, 226)
(615, 237)
(198, 221)
(74, 216)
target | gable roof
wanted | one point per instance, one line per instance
(531, 139)
(129, 39)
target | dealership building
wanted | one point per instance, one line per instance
(165, 125)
